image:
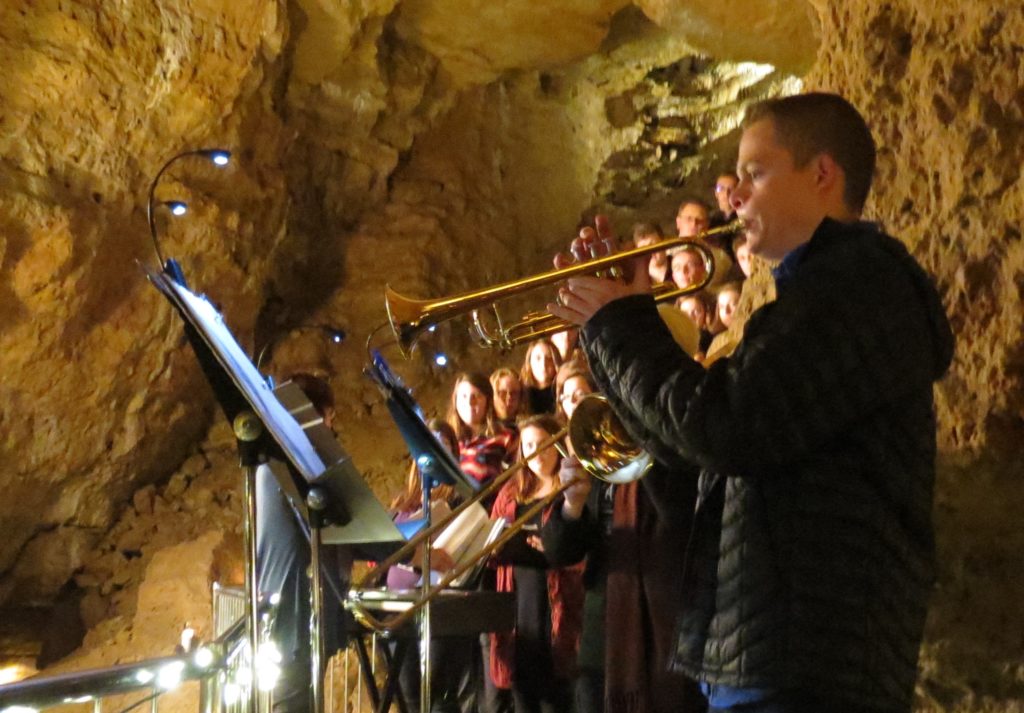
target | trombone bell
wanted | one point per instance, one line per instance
(602, 445)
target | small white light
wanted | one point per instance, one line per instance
(275, 598)
(203, 658)
(169, 676)
(268, 666)
(423, 461)
(336, 338)
(243, 676)
(441, 360)
(221, 158)
(19, 709)
(432, 328)
(15, 672)
(178, 208)
(144, 676)
(188, 636)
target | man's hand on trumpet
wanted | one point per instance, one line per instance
(582, 297)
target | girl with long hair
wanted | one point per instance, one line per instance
(453, 659)
(537, 660)
(485, 448)
(538, 376)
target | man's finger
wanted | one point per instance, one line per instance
(569, 314)
(563, 260)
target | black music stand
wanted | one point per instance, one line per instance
(332, 496)
(437, 467)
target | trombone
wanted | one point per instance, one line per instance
(602, 448)
(409, 317)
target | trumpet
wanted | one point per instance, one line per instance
(535, 325)
(604, 451)
(409, 318)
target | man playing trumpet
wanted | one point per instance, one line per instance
(811, 557)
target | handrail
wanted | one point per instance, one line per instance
(158, 674)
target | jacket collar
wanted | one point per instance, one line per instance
(828, 230)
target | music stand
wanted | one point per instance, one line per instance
(338, 504)
(437, 466)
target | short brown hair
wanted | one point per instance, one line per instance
(816, 123)
(642, 229)
(693, 201)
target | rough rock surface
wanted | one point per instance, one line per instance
(440, 145)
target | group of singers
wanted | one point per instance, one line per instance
(778, 557)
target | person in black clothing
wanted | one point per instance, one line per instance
(724, 213)
(538, 377)
(632, 537)
(812, 553)
(282, 561)
(537, 660)
(454, 660)
(697, 309)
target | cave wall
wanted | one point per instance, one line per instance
(98, 397)
(440, 145)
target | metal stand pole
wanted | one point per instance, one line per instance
(424, 616)
(248, 430)
(316, 501)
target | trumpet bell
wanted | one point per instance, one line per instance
(602, 445)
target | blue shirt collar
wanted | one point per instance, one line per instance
(786, 270)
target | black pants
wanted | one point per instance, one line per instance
(454, 663)
(491, 698)
(555, 697)
(590, 691)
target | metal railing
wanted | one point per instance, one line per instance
(221, 667)
(208, 664)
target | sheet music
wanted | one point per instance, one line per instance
(283, 428)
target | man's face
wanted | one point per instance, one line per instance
(687, 268)
(723, 192)
(776, 200)
(691, 219)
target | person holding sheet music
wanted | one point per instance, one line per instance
(454, 660)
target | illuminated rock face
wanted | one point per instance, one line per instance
(440, 145)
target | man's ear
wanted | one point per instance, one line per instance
(828, 174)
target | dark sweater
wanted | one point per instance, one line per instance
(812, 553)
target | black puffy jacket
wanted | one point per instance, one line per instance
(811, 557)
